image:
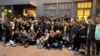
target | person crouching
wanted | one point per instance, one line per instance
(58, 40)
(43, 39)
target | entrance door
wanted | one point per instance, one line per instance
(24, 10)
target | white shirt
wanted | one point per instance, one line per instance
(32, 27)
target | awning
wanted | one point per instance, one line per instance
(15, 2)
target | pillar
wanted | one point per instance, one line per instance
(94, 9)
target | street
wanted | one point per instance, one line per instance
(33, 51)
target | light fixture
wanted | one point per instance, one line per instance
(10, 11)
(5, 10)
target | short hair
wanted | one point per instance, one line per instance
(98, 17)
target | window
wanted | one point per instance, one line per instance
(85, 5)
(98, 3)
(89, 5)
(49, 6)
(50, 9)
(84, 9)
(98, 12)
(80, 12)
(65, 6)
(82, 5)
(64, 9)
(87, 12)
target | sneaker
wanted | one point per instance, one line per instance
(7, 44)
(14, 45)
(25, 46)
(69, 48)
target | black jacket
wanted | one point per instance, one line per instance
(83, 32)
(1, 27)
(58, 27)
(91, 32)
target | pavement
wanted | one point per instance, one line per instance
(34, 51)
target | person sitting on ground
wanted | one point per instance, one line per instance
(43, 39)
(51, 39)
(58, 40)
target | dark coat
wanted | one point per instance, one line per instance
(83, 32)
(58, 27)
(36, 28)
(91, 32)
(1, 27)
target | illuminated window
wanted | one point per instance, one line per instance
(82, 5)
(24, 12)
(89, 4)
(80, 17)
(31, 12)
(87, 12)
(84, 9)
(80, 12)
(79, 5)
(85, 17)
(85, 5)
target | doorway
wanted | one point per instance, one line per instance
(25, 10)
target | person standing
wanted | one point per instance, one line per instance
(82, 33)
(1, 29)
(76, 40)
(97, 36)
(90, 37)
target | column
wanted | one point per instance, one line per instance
(12, 10)
(94, 9)
(57, 8)
(0, 11)
(72, 9)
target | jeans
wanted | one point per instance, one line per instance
(76, 43)
(90, 43)
(70, 40)
(97, 47)
(1, 35)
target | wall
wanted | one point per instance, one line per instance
(0, 11)
(40, 4)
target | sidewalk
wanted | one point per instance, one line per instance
(34, 51)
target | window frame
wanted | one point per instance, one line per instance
(88, 8)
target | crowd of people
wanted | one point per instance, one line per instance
(50, 32)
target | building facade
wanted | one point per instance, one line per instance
(56, 8)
